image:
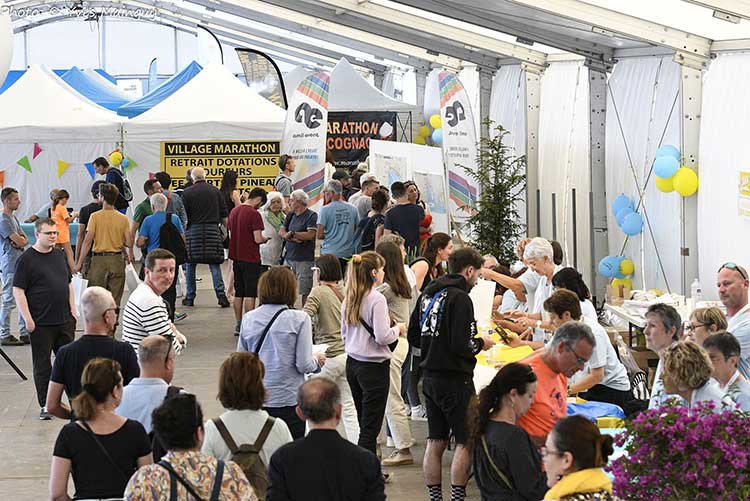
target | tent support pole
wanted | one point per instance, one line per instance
(421, 78)
(691, 87)
(533, 77)
(485, 97)
(598, 212)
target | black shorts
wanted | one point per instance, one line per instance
(447, 401)
(246, 277)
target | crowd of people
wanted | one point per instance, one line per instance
(341, 347)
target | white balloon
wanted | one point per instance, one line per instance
(6, 45)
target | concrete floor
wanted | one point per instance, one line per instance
(27, 443)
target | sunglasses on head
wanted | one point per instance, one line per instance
(733, 266)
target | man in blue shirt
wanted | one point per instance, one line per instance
(148, 235)
(337, 224)
(11, 246)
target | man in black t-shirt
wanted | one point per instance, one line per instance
(83, 219)
(45, 298)
(99, 317)
(404, 219)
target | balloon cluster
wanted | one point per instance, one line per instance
(629, 221)
(618, 268)
(116, 158)
(432, 136)
(670, 176)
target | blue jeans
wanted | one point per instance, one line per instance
(8, 304)
(215, 276)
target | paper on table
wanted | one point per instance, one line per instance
(319, 348)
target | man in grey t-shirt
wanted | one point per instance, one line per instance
(11, 246)
(283, 182)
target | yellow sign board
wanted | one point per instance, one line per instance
(256, 162)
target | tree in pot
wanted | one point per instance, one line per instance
(495, 224)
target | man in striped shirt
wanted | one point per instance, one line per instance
(146, 312)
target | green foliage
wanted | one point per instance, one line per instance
(496, 224)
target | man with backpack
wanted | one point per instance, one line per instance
(323, 465)
(442, 326)
(283, 182)
(113, 175)
(161, 232)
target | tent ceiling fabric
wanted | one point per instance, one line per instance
(27, 115)
(350, 92)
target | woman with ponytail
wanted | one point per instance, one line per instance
(574, 457)
(367, 331)
(507, 465)
(101, 449)
(429, 265)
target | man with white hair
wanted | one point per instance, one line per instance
(99, 320)
(150, 238)
(206, 211)
(490, 261)
(337, 224)
(299, 231)
(142, 211)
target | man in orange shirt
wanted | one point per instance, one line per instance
(566, 354)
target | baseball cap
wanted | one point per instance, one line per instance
(340, 174)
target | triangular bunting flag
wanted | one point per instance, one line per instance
(37, 151)
(90, 168)
(24, 162)
(62, 166)
(132, 164)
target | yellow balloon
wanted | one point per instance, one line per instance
(436, 121)
(685, 181)
(419, 140)
(115, 158)
(626, 282)
(665, 184)
(424, 131)
(627, 267)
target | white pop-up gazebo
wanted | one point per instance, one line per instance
(48, 133)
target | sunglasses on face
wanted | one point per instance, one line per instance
(733, 266)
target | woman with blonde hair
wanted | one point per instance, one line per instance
(687, 372)
(703, 323)
(367, 332)
(100, 449)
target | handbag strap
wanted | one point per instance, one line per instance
(104, 450)
(265, 331)
(174, 476)
(337, 292)
(500, 474)
(216, 490)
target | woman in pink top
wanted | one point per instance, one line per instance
(62, 219)
(367, 332)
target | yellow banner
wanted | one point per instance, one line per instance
(256, 162)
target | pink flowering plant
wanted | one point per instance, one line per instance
(674, 453)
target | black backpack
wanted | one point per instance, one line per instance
(127, 192)
(170, 239)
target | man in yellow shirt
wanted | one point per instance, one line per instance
(108, 232)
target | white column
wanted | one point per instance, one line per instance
(532, 77)
(597, 195)
(485, 97)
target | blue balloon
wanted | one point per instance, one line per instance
(632, 224)
(437, 136)
(621, 215)
(666, 167)
(609, 266)
(125, 163)
(621, 202)
(668, 151)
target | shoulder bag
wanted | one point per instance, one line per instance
(500, 474)
(265, 331)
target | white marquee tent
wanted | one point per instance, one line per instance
(214, 105)
(349, 91)
(48, 132)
